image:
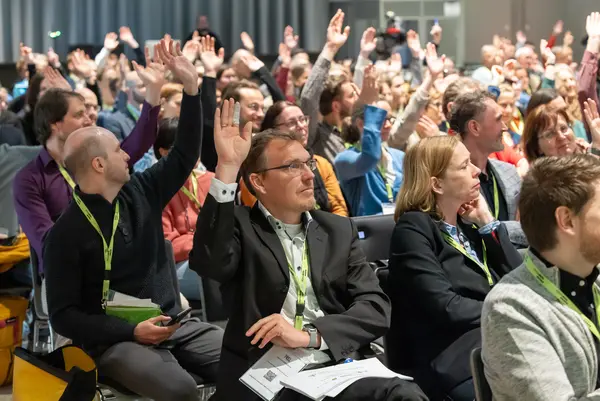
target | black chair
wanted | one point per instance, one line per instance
(483, 392)
(41, 319)
(375, 233)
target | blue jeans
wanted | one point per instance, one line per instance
(189, 281)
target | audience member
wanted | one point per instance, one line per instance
(447, 251)
(91, 104)
(477, 118)
(251, 100)
(134, 354)
(255, 253)
(287, 117)
(42, 190)
(539, 329)
(484, 73)
(180, 215)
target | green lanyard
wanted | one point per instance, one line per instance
(134, 112)
(108, 249)
(452, 242)
(563, 299)
(496, 199)
(300, 287)
(66, 176)
(193, 196)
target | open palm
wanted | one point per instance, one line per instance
(335, 36)
(179, 65)
(434, 63)
(590, 110)
(211, 60)
(153, 75)
(232, 145)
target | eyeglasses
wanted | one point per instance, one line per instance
(391, 120)
(298, 122)
(564, 130)
(294, 168)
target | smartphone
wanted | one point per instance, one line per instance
(179, 317)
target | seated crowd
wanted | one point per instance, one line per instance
(252, 174)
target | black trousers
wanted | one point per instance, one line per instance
(370, 389)
(161, 373)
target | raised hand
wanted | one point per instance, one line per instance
(252, 62)
(55, 80)
(290, 40)
(53, 59)
(26, 54)
(395, 64)
(179, 65)
(414, 44)
(436, 34)
(231, 143)
(336, 37)
(547, 52)
(126, 36)
(592, 25)
(370, 87)
(426, 127)
(435, 64)
(368, 42)
(558, 27)
(247, 41)
(111, 41)
(521, 38)
(81, 64)
(153, 75)
(592, 117)
(285, 55)
(509, 69)
(568, 39)
(211, 60)
(191, 50)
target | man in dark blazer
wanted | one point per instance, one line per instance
(253, 253)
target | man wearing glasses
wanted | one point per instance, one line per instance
(289, 277)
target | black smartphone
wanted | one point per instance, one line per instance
(179, 317)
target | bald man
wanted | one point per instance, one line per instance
(488, 58)
(122, 213)
(91, 103)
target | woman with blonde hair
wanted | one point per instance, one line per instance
(447, 251)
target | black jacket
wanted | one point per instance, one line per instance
(73, 252)
(245, 255)
(437, 294)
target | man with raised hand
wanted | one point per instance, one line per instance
(111, 238)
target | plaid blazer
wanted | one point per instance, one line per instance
(510, 184)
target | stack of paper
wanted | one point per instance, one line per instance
(331, 381)
(276, 364)
(132, 309)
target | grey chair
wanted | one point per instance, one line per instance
(483, 392)
(41, 319)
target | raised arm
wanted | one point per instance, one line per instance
(589, 65)
(311, 94)
(216, 256)
(126, 36)
(368, 42)
(162, 181)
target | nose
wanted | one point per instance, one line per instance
(476, 170)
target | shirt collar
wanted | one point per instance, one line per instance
(45, 157)
(277, 224)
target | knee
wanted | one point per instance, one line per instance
(180, 389)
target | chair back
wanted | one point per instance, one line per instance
(375, 234)
(39, 303)
(173, 269)
(483, 392)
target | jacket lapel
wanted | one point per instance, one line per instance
(316, 239)
(268, 236)
(510, 206)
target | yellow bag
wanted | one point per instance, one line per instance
(12, 315)
(66, 374)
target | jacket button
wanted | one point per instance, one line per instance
(284, 289)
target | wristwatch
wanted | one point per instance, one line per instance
(312, 332)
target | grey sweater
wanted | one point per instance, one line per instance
(534, 348)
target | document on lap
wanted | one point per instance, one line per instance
(263, 378)
(331, 381)
(132, 309)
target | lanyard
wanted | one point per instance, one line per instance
(563, 299)
(382, 170)
(300, 287)
(107, 248)
(452, 242)
(517, 128)
(66, 176)
(194, 194)
(134, 112)
(496, 198)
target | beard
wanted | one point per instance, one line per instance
(589, 248)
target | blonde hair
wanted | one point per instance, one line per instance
(430, 157)
(169, 90)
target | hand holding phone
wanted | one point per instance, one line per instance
(179, 317)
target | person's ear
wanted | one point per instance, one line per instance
(436, 185)
(473, 127)
(163, 152)
(256, 180)
(99, 164)
(335, 106)
(565, 220)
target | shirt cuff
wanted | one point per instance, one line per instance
(223, 193)
(488, 228)
(324, 346)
